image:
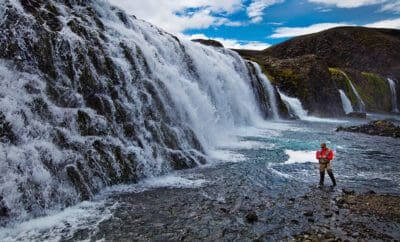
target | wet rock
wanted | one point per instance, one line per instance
(359, 115)
(4, 211)
(340, 201)
(308, 213)
(6, 133)
(87, 126)
(379, 128)
(39, 106)
(225, 210)
(294, 221)
(348, 192)
(78, 182)
(251, 217)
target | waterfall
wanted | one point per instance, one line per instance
(294, 106)
(91, 97)
(269, 89)
(347, 108)
(360, 102)
(393, 91)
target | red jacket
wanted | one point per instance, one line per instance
(324, 154)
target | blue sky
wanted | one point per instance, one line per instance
(257, 24)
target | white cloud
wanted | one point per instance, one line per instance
(285, 32)
(171, 14)
(386, 5)
(388, 23)
(256, 9)
(348, 3)
(233, 43)
(391, 7)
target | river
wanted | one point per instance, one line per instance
(264, 169)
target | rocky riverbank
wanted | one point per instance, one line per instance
(356, 216)
(318, 215)
(379, 127)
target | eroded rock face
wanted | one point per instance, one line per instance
(379, 127)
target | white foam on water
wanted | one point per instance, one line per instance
(172, 180)
(281, 174)
(59, 225)
(300, 156)
(219, 155)
(323, 120)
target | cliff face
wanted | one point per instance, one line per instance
(314, 67)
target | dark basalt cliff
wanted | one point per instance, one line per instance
(313, 67)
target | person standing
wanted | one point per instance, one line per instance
(324, 156)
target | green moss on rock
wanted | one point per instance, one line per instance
(375, 92)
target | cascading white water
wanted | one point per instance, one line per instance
(393, 91)
(130, 100)
(347, 108)
(360, 102)
(294, 105)
(269, 89)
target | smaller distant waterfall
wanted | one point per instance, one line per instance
(360, 102)
(269, 89)
(294, 105)
(346, 102)
(393, 91)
